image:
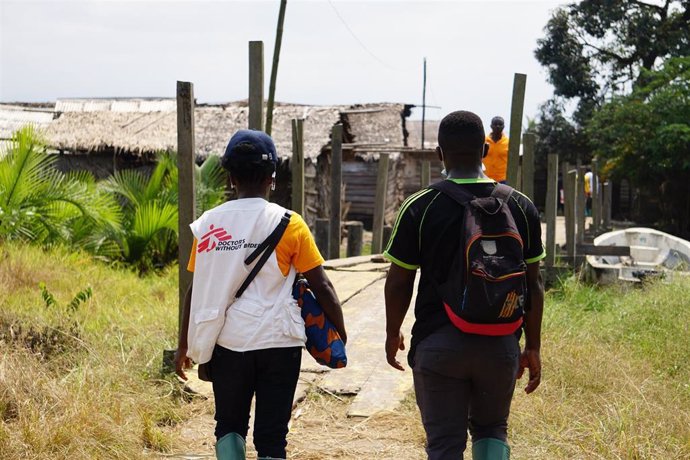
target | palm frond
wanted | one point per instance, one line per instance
(22, 169)
(128, 184)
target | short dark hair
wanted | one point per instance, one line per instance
(461, 131)
(497, 121)
(252, 172)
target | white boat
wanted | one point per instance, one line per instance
(651, 253)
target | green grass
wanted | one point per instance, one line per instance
(616, 378)
(84, 383)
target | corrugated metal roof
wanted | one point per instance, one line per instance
(13, 118)
(116, 105)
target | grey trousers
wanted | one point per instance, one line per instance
(464, 381)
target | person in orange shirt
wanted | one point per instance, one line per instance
(496, 160)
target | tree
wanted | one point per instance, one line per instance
(39, 203)
(150, 208)
(596, 49)
(645, 137)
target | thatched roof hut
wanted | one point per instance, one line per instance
(106, 134)
(145, 126)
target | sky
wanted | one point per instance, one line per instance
(333, 52)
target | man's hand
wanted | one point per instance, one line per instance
(530, 359)
(393, 344)
(182, 362)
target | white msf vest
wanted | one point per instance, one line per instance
(266, 315)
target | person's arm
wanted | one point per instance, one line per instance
(530, 357)
(182, 362)
(325, 294)
(398, 293)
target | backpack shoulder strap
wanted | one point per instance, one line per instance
(265, 249)
(454, 191)
(503, 192)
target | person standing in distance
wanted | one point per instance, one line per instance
(462, 380)
(496, 160)
(252, 343)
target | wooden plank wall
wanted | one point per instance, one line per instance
(411, 171)
(359, 178)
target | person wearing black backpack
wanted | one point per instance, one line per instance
(478, 245)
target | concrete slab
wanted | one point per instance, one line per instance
(366, 267)
(364, 316)
(379, 387)
(348, 283)
(346, 262)
(383, 391)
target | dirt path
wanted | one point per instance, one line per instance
(362, 411)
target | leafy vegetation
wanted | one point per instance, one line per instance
(608, 63)
(40, 204)
(130, 217)
(615, 382)
(84, 364)
(645, 137)
(593, 50)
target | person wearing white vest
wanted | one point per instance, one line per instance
(252, 343)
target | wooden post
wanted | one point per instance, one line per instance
(423, 104)
(607, 192)
(380, 203)
(186, 206)
(528, 142)
(426, 173)
(297, 166)
(355, 238)
(274, 69)
(551, 208)
(256, 85)
(581, 202)
(322, 235)
(570, 204)
(336, 189)
(596, 197)
(516, 109)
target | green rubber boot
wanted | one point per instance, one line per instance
(490, 449)
(230, 447)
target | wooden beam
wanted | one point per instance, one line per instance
(355, 238)
(516, 110)
(274, 68)
(426, 173)
(336, 190)
(186, 205)
(380, 204)
(551, 208)
(570, 201)
(607, 191)
(256, 85)
(590, 249)
(528, 142)
(297, 166)
(581, 203)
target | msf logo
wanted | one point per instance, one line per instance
(212, 238)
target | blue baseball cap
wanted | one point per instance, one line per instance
(264, 148)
